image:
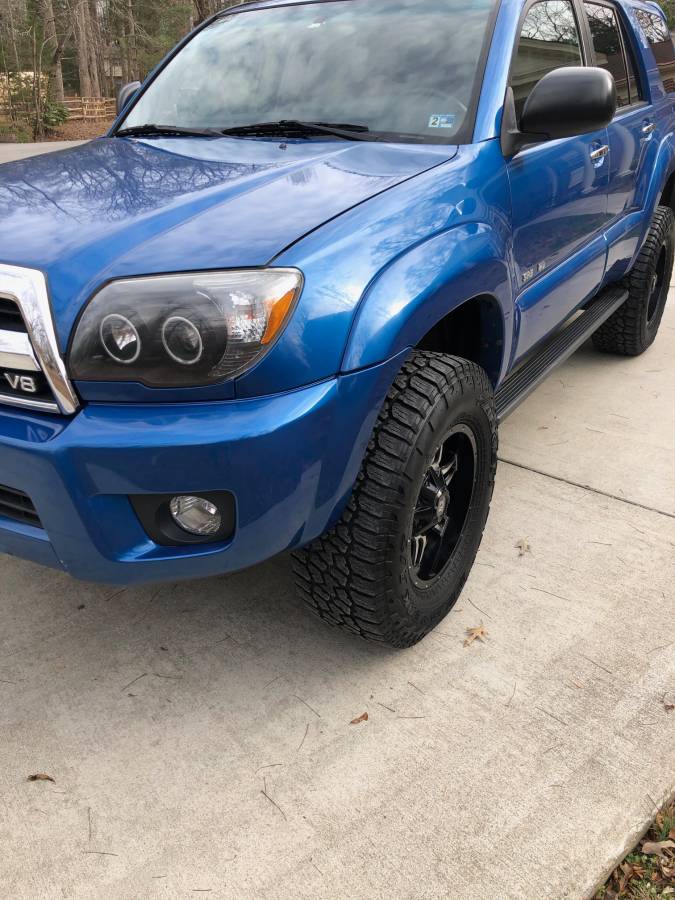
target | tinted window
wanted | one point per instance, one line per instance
(549, 39)
(656, 31)
(400, 67)
(634, 80)
(608, 47)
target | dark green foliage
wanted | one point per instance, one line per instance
(54, 114)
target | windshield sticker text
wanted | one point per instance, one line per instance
(442, 121)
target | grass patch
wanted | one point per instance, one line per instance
(15, 133)
(648, 871)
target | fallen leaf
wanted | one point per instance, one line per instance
(362, 718)
(523, 547)
(41, 776)
(656, 848)
(669, 707)
(472, 634)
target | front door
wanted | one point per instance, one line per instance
(559, 188)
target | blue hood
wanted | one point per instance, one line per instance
(119, 207)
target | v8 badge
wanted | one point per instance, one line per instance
(24, 383)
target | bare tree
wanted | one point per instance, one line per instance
(54, 48)
(86, 48)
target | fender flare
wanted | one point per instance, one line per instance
(640, 218)
(421, 286)
(664, 168)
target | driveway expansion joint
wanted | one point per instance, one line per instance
(586, 487)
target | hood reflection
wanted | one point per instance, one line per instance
(109, 179)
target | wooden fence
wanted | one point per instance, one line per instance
(90, 108)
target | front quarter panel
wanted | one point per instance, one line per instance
(423, 286)
(421, 235)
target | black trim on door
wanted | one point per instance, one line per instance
(624, 35)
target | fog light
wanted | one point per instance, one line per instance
(195, 514)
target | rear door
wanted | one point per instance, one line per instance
(558, 188)
(632, 147)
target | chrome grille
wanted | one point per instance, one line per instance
(10, 316)
(32, 373)
(22, 382)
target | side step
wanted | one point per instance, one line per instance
(522, 382)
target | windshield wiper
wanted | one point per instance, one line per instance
(289, 127)
(148, 130)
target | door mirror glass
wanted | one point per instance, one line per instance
(126, 93)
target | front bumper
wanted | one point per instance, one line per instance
(289, 459)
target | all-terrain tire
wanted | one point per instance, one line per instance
(633, 327)
(360, 575)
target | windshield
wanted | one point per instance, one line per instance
(405, 69)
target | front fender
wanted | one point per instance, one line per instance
(425, 284)
(417, 227)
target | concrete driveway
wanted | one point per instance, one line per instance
(8, 152)
(199, 734)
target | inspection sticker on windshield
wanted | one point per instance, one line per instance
(443, 121)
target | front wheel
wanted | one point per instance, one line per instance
(395, 564)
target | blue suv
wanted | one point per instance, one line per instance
(326, 247)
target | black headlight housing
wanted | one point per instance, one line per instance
(184, 330)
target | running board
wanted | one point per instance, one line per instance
(530, 375)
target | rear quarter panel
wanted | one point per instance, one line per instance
(627, 234)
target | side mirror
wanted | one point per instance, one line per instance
(566, 102)
(125, 94)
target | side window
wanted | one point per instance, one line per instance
(549, 39)
(656, 31)
(634, 79)
(609, 51)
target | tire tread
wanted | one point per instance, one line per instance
(625, 332)
(340, 576)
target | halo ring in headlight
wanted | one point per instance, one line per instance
(182, 340)
(215, 326)
(120, 338)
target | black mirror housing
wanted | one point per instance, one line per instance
(125, 94)
(566, 102)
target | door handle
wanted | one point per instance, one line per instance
(647, 130)
(599, 152)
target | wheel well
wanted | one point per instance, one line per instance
(668, 193)
(474, 331)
